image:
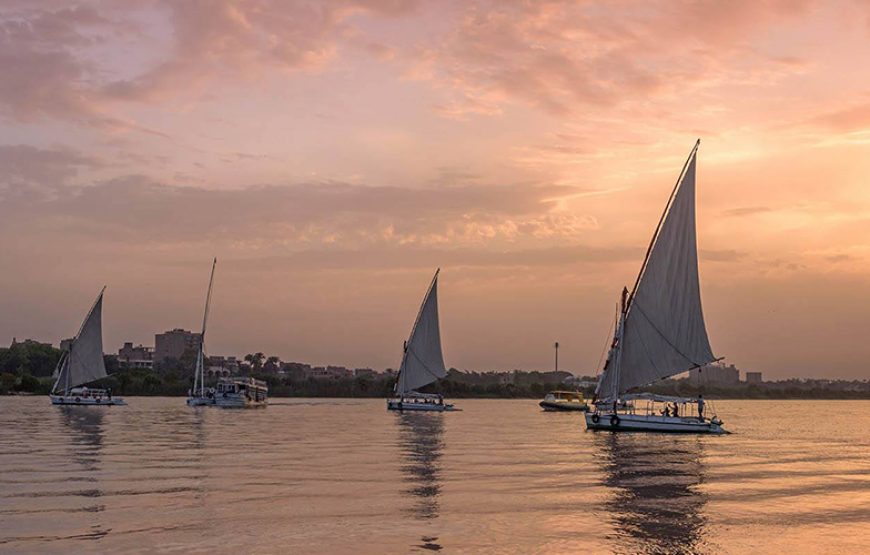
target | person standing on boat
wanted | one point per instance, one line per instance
(701, 408)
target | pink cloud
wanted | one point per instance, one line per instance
(567, 57)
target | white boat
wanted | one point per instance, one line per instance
(660, 331)
(82, 364)
(200, 395)
(241, 393)
(422, 360)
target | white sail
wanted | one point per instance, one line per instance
(423, 362)
(663, 331)
(84, 362)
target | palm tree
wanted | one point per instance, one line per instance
(255, 360)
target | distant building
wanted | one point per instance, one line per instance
(296, 370)
(221, 366)
(753, 377)
(715, 374)
(30, 342)
(174, 343)
(136, 357)
(580, 382)
(364, 372)
(329, 372)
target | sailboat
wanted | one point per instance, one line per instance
(199, 395)
(660, 331)
(82, 364)
(422, 360)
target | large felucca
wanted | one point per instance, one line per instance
(82, 364)
(199, 395)
(660, 331)
(422, 360)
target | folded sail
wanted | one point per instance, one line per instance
(423, 362)
(84, 362)
(664, 332)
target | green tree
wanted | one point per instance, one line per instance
(256, 361)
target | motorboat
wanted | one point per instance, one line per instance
(564, 401)
(241, 393)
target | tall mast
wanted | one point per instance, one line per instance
(199, 373)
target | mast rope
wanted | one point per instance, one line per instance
(423, 364)
(668, 341)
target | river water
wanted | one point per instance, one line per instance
(345, 476)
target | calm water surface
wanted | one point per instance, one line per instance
(346, 476)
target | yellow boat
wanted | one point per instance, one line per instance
(564, 400)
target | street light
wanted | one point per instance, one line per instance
(557, 355)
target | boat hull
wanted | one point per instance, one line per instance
(563, 407)
(651, 423)
(395, 404)
(200, 401)
(78, 400)
(236, 401)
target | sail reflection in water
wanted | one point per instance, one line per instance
(421, 444)
(85, 426)
(86, 434)
(656, 506)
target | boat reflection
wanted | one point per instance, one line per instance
(86, 425)
(656, 506)
(421, 443)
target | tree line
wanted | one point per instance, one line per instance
(27, 367)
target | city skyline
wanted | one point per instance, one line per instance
(332, 155)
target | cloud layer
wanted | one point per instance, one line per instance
(332, 154)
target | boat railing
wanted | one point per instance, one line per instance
(89, 392)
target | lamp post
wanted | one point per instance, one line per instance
(557, 355)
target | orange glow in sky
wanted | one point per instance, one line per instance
(333, 154)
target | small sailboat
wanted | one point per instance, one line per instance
(660, 331)
(82, 364)
(422, 360)
(199, 395)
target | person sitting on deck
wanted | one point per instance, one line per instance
(666, 411)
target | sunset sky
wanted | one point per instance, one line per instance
(332, 155)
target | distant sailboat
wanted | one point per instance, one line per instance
(422, 360)
(660, 331)
(199, 395)
(82, 364)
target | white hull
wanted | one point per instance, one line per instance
(395, 404)
(78, 400)
(237, 401)
(651, 423)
